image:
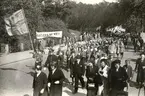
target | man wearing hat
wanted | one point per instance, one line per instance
(51, 57)
(39, 82)
(78, 73)
(118, 78)
(55, 80)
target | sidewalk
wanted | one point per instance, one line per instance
(19, 56)
(14, 57)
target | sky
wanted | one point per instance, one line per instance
(92, 1)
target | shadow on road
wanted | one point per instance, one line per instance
(9, 69)
(77, 94)
(31, 67)
(31, 73)
(13, 69)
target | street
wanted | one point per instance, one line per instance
(16, 78)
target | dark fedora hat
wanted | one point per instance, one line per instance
(117, 62)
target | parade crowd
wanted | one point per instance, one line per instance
(97, 60)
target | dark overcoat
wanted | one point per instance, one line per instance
(56, 89)
(71, 66)
(118, 79)
(93, 76)
(39, 83)
(79, 69)
(141, 71)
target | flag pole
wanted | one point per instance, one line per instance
(31, 42)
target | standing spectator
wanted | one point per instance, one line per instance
(55, 80)
(40, 83)
(140, 68)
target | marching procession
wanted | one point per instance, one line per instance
(100, 61)
(72, 48)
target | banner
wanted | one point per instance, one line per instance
(16, 23)
(57, 34)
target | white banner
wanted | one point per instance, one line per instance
(57, 34)
(16, 23)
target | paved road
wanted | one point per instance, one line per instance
(16, 78)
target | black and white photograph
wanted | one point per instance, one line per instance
(72, 47)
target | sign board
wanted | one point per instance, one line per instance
(56, 34)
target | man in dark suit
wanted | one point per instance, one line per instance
(55, 80)
(71, 66)
(40, 83)
(79, 72)
(51, 57)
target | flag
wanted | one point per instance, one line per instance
(16, 23)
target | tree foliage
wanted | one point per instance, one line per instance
(129, 13)
(48, 15)
(40, 17)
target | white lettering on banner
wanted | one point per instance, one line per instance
(57, 34)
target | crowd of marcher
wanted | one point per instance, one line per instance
(97, 60)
